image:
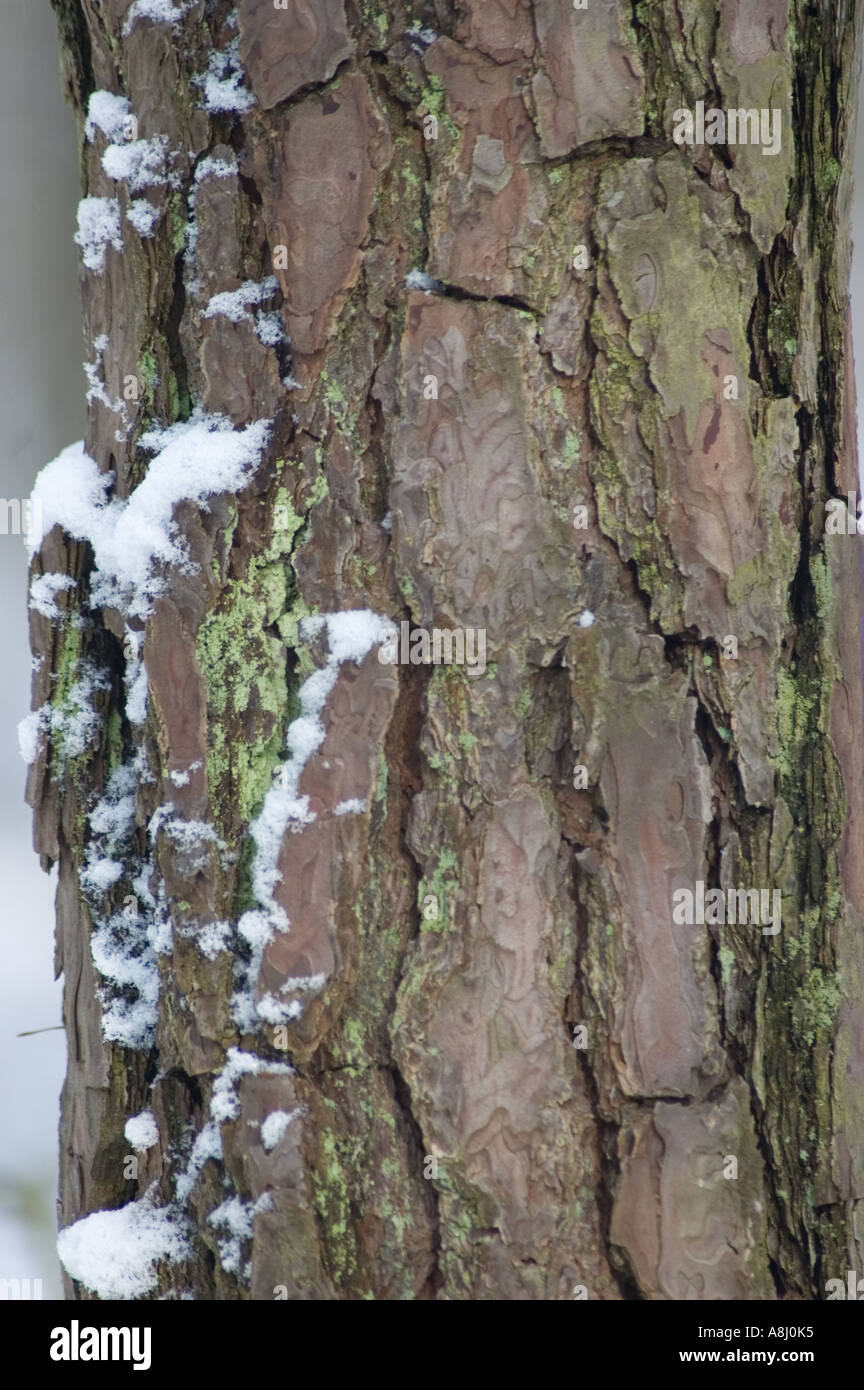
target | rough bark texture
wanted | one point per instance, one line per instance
(482, 905)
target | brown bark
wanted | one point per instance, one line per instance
(431, 952)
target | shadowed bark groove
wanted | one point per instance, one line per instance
(420, 1023)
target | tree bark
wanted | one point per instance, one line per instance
(603, 427)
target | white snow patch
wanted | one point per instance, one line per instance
(351, 635)
(101, 874)
(225, 1104)
(208, 1144)
(114, 815)
(128, 1022)
(353, 807)
(44, 589)
(269, 1009)
(114, 1253)
(31, 732)
(124, 943)
(235, 1216)
(212, 939)
(140, 163)
(587, 619)
(270, 329)
(419, 280)
(306, 984)
(190, 839)
(108, 113)
(275, 1125)
(160, 936)
(193, 460)
(222, 83)
(420, 38)
(98, 226)
(73, 724)
(143, 216)
(212, 168)
(233, 304)
(137, 692)
(96, 384)
(141, 1131)
(159, 11)
(182, 779)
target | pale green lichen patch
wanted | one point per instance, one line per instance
(815, 1006)
(243, 663)
(761, 180)
(330, 1184)
(438, 892)
(698, 279)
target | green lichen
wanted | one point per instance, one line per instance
(814, 1009)
(726, 956)
(442, 886)
(178, 222)
(147, 370)
(822, 588)
(330, 1185)
(434, 100)
(827, 176)
(114, 740)
(381, 778)
(67, 704)
(243, 665)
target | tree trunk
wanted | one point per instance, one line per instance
(391, 958)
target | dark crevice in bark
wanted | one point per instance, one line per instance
(76, 52)
(713, 751)
(510, 301)
(431, 1201)
(405, 759)
(173, 342)
(774, 321)
(607, 1131)
(608, 1176)
(574, 1008)
(785, 1280)
(280, 111)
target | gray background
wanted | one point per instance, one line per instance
(41, 411)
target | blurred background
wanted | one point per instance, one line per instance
(41, 411)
